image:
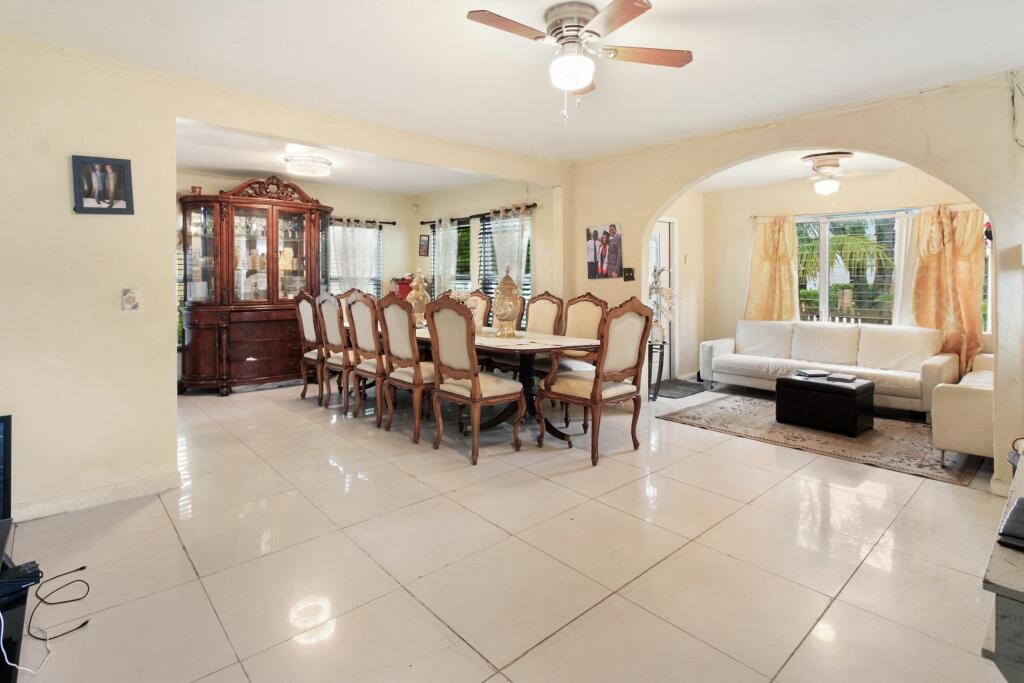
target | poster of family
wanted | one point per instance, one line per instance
(604, 251)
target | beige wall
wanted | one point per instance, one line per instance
(960, 134)
(547, 223)
(92, 389)
(399, 241)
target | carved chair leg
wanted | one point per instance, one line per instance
(343, 387)
(636, 418)
(565, 406)
(389, 396)
(519, 420)
(417, 396)
(359, 395)
(321, 370)
(327, 387)
(378, 399)
(595, 434)
(539, 406)
(439, 430)
(586, 418)
(305, 379)
(474, 418)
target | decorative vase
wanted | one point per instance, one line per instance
(506, 306)
(657, 332)
(418, 297)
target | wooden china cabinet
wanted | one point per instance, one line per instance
(247, 251)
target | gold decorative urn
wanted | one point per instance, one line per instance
(506, 306)
(418, 297)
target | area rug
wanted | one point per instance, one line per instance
(680, 388)
(896, 445)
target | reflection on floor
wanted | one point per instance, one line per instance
(307, 546)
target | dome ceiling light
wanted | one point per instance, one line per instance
(826, 171)
(311, 166)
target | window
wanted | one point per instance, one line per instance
(461, 279)
(507, 232)
(845, 267)
(352, 251)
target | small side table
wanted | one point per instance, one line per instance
(659, 348)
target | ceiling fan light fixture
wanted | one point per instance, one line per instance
(826, 186)
(571, 69)
(311, 166)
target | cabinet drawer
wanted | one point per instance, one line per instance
(261, 350)
(257, 316)
(274, 329)
(266, 367)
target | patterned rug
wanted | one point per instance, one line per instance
(895, 445)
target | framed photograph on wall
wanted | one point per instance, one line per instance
(604, 251)
(102, 185)
(424, 245)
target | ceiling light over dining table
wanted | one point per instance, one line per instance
(312, 166)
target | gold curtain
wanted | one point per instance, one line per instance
(772, 294)
(950, 277)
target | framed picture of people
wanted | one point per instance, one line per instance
(102, 185)
(604, 251)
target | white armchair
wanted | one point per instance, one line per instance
(711, 348)
(962, 413)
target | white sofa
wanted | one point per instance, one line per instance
(905, 363)
(962, 413)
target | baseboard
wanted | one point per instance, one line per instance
(45, 507)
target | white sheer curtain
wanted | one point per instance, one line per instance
(510, 232)
(446, 254)
(906, 267)
(353, 258)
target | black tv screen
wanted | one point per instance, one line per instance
(5, 466)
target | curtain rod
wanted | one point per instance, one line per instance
(958, 205)
(362, 220)
(475, 215)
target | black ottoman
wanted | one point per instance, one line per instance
(839, 407)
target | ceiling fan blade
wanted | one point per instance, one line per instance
(583, 91)
(647, 55)
(497, 21)
(618, 13)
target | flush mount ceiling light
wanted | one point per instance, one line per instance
(316, 167)
(571, 69)
(826, 171)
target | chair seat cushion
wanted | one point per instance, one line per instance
(368, 365)
(581, 383)
(337, 360)
(576, 353)
(490, 385)
(407, 375)
(311, 354)
(543, 364)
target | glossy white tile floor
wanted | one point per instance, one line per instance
(307, 546)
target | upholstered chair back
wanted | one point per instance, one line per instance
(453, 338)
(330, 318)
(583, 317)
(400, 325)
(624, 332)
(342, 298)
(482, 312)
(306, 315)
(544, 314)
(362, 310)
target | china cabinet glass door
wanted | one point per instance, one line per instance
(200, 257)
(250, 244)
(291, 253)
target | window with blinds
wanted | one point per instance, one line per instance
(462, 278)
(490, 272)
(846, 267)
(352, 252)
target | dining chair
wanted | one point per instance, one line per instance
(337, 354)
(582, 318)
(457, 375)
(368, 366)
(404, 368)
(544, 314)
(482, 312)
(310, 343)
(623, 335)
(341, 302)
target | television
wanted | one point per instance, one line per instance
(5, 466)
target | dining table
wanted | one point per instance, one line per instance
(525, 346)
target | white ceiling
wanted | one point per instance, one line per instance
(421, 66)
(218, 150)
(777, 168)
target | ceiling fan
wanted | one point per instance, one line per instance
(574, 27)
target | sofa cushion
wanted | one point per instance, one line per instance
(984, 379)
(826, 342)
(887, 382)
(762, 367)
(897, 347)
(764, 338)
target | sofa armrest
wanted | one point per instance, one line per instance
(984, 361)
(943, 368)
(711, 348)
(962, 418)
